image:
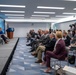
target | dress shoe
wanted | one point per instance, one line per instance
(33, 53)
(28, 44)
(6, 42)
(31, 50)
(38, 61)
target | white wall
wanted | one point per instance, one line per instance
(64, 26)
(21, 29)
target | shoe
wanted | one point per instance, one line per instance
(43, 64)
(31, 50)
(6, 42)
(47, 71)
(33, 53)
(38, 61)
(28, 44)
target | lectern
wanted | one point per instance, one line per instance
(10, 32)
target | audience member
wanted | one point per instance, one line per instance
(49, 46)
(66, 38)
(3, 36)
(59, 52)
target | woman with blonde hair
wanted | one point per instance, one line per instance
(59, 52)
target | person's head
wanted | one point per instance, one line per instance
(60, 30)
(46, 32)
(32, 30)
(54, 31)
(42, 32)
(70, 26)
(52, 35)
(64, 31)
(0, 29)
(58, 34)
(73, 25)
(64, 34)
(69, 31)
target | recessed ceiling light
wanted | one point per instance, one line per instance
(61, 16)
(69, 0)
(12, 11)
(69, 13)
(37, 17)
(41, 15)
(17, 6)
(74, 9)
(15, 17)
(44, 7)
(44, 12)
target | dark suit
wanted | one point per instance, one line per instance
(50, 45)
(3, 37)
(59, 52)
(67, 41)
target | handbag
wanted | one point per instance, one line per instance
(71, 59)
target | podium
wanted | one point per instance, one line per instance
(10, 32)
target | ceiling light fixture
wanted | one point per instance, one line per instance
(12, 11)
(44, 7)
(37, 17)
(74, 9)
(69, 0)
(13, 15)
(69, 13)
(44, 12)
(61, 16)
(41, 15)
(17, 6)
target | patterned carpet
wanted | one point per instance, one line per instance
(23, 63)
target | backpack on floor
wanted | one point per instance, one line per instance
(71, 59)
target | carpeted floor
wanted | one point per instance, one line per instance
(23, 63)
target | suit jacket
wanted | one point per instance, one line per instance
(67, 41)
(60, 50)
(1, 32)
(42, 38)
(50, 45)
(46, 40)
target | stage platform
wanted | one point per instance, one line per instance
(6, 53)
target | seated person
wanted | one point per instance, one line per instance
(66, 39)
(2, 36)
(43, 48)
(59, 52)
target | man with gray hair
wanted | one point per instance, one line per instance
(43, 48)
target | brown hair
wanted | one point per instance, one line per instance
(59, 34)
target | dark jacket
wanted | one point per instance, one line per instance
(67, 41)
(50, 45)
(60, 51)
(1, 32)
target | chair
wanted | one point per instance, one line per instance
(55, 62)
(1, 41)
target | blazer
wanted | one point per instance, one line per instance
(50, 45)
(60, 51)
(1, 32)
(67, 41)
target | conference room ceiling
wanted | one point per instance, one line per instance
(31, 7)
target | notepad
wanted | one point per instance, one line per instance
(69, 70)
